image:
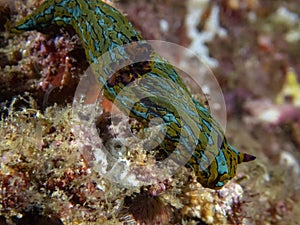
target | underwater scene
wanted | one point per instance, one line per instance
(155, 112)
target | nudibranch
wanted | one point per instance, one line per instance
(189, 126)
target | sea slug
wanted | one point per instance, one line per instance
(157, 90)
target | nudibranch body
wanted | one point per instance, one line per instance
(157, 90)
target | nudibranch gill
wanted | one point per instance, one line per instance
(103, 29)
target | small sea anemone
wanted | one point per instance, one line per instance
(146, 209)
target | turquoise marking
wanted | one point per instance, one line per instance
(222, 167)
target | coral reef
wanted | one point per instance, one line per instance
(253, 46)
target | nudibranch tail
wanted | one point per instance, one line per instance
(245, 157)
(36, 21)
